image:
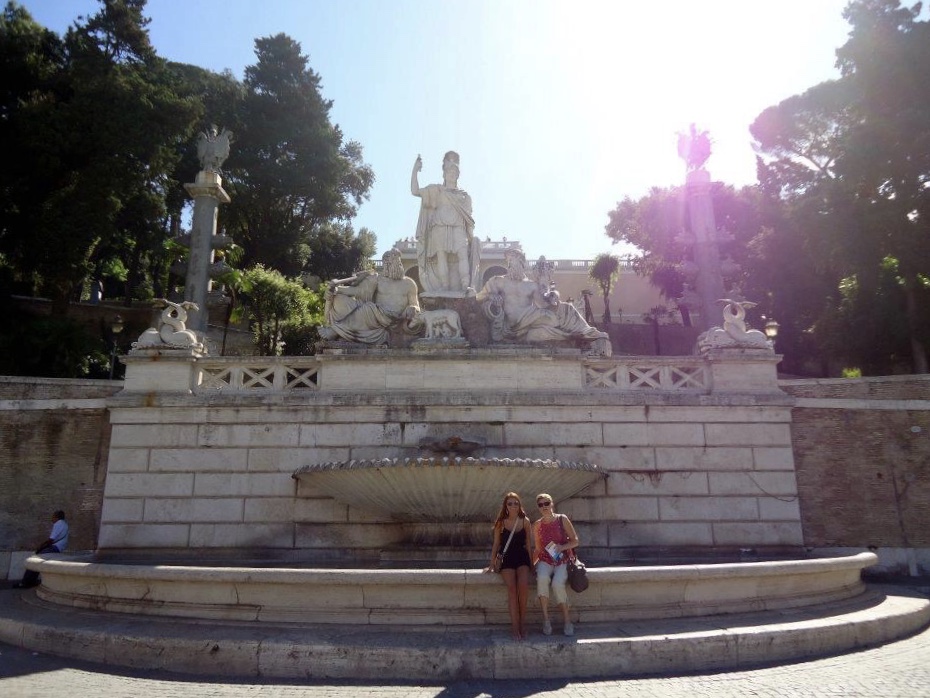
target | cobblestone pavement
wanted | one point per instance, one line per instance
(897, 670)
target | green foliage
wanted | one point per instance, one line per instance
(850, 162)
(657, 224)
(52, 347)
(337, 252)
(282, 312)
(604, 271)
(88, 134)
(99, 136)
(293, 180)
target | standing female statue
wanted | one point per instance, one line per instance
(447, 251)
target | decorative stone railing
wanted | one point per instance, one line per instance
(679, 374)
(285, 374)
(482, 370)
(257, 374)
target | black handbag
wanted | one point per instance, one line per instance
(577, 572)
(577, 575)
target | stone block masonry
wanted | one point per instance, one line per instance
(213, 470)
(861, 466)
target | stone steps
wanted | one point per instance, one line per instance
(398, 652)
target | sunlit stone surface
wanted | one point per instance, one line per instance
(442, 489)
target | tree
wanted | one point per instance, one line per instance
(277, 308)
(657, 224)
(888, 155)
(850, 159)
(93, 144)
(337, 252)
(604, 271)
(654, 224)
(291, 174)
(654, 317)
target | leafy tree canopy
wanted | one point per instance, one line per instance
(291, 173)
(850, 161)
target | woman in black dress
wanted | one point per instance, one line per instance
(513, 525)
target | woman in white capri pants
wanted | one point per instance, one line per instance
(554, 536)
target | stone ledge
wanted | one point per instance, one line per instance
(453, 398)
(398, 652)
(362, 595)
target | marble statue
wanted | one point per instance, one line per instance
(733, 334)
(447, 251)
(172, 332)
(365, 308)
(213, 149)
(439, 324)
(525, 310)
(694, 147)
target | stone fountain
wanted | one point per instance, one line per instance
(358, 486)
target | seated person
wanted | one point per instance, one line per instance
(56, 542)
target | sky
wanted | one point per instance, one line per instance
(557, 109)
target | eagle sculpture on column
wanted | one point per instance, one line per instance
(694, 148)
(213, 149)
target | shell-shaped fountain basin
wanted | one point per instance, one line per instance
(446, 490)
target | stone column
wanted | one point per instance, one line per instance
(706, 254)
(208, 193)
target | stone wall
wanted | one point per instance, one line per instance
(873, 388)
(862, 453)
(708, 477)
(687, 469)
(862, 457)
(53, 443)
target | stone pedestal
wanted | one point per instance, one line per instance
(743, 370)
(475, 326)
(157, 370)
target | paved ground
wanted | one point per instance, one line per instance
(896, 670)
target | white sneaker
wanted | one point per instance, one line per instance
(569, 630)
(547, 628)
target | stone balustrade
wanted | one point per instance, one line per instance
(256, 374)
(300, 373)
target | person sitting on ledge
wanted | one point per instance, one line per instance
(56, 542)
(530, 312)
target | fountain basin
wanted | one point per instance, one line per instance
(438, 597)
(446, 489)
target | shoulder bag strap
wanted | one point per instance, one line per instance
(571, 552)
(510, 538)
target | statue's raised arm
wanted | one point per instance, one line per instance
(414, 181)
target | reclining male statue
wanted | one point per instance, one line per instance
(524, 310)
(366, 307)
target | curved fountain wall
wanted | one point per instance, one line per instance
(439, 597)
